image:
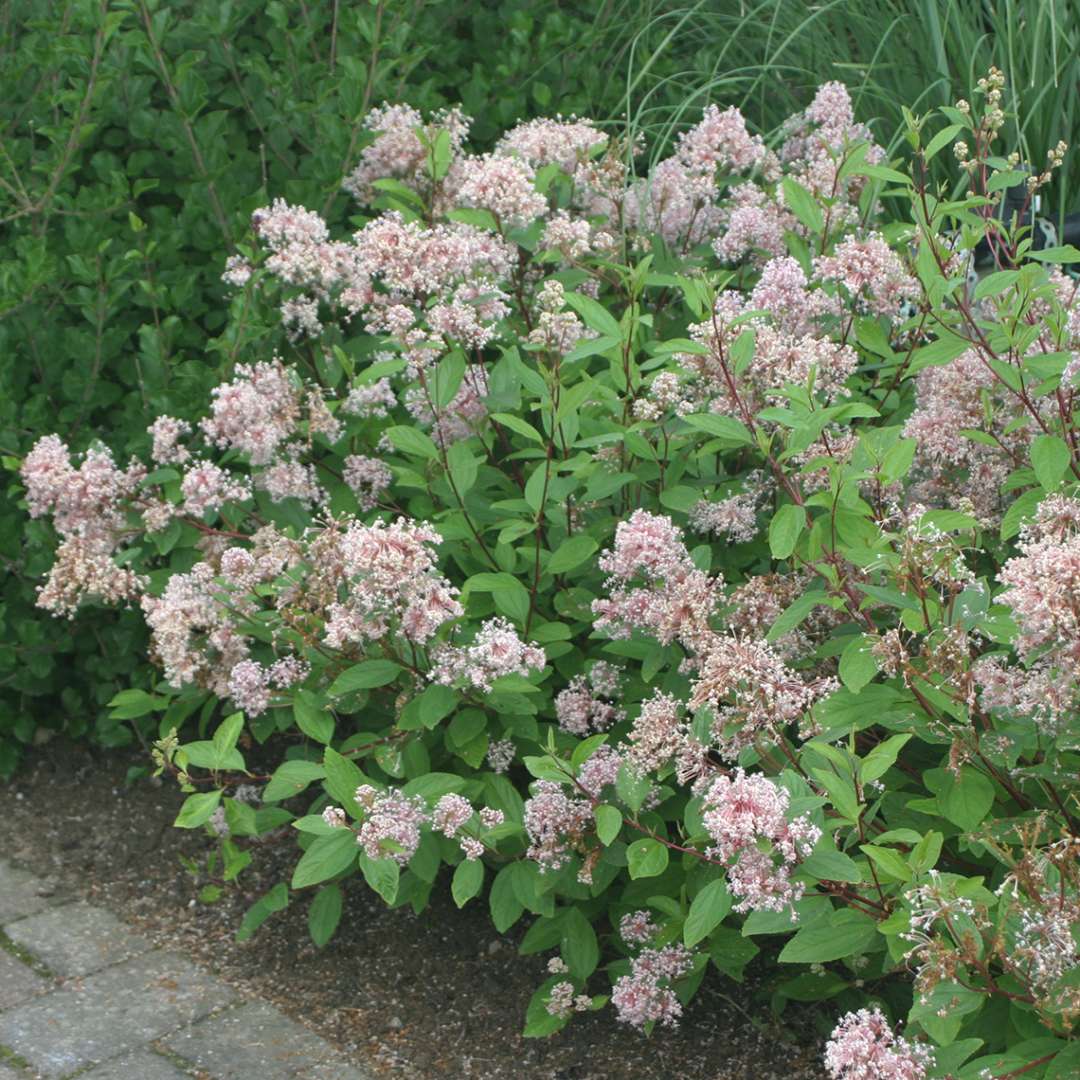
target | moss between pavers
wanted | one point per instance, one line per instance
(25, 957)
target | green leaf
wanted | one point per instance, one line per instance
(571, 553)
(1021, 511)
(1050, 457)
(882, 757)
(463, 466)
(646, 858)
(707, 912)
(312, 717)
(382, 875)
(343, 777)
(888, 861)
(831, 866)
(803, 205)
(327, 856)
(427, 709)
(227, 733)
(290, 778)
(411, 440)
(277, 899)
(579, 946)
(925, 854)
(433, 786)
(505, 907)
(966, 800)
(608, 823)
(1065, 253)
(794, 614)
(364, 676)
(594, 314)
(131, 704)
(197, 810)
(723, 427)
(843, 933)
(324, 914)
(1066, 1065)
(447, 377)
(784, 530)
(858, 666)
(632, 786)
(522, 427)
(468, 881)
(941, 139)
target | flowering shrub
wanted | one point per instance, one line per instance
(688, 559)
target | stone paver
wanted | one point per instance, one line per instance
(107, 1014)
(120, 1005)
(76, 939)
(20, 893)
(141, 1065)
(256, 1040)
(17, 982)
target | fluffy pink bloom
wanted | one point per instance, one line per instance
(600, 770)
(83, 567)
(167, 432)
(390, 579)
(556, 824)
(677, 600)
(751, 692)
(249, 687)
(194, 634)
(657, 734)
(391, 823)
(871, 272)
(637, 927)
(372, 399)
(368, 477)
(495, 651)
(547, 141)
(501, 754)
(450, 814)
(742, 810)
(291, 479)
(255, 413)
(503, 185)
(397, 151)
(87, 500)
(581, 708)
(645, 995)
(864, 1047)
(206, 486)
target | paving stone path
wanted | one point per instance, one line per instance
(82, 995)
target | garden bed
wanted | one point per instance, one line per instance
(436, 995)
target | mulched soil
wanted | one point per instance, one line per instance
(441, 994)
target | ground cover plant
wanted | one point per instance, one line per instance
(684, 556)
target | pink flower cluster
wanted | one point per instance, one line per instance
(556, 824)
(391, 823)
(741, 811)
(677, 600)
(864, 1047)
(255, 413)
(1042, 584)
(398, 152)
(751, 692)
(586, 705)
(390, 579)
(495, 651)
(645, 995)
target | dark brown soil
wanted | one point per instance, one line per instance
(436, 995)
